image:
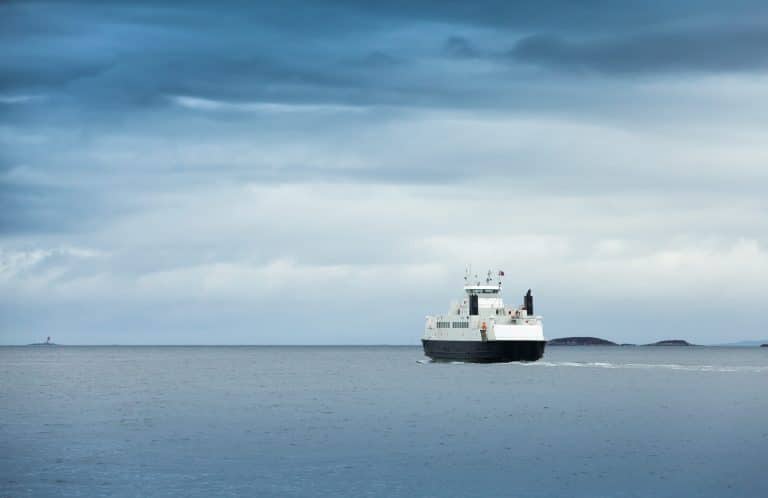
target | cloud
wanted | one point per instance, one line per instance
(41, 270)
(353, 237)
(201, 104)
(131, 57)
(458, 46)
(19, 99)
(711, 49)
(377, 59)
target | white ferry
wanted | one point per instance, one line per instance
(480, 328)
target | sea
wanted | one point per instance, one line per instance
(382, 421)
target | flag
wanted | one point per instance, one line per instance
(501, 273)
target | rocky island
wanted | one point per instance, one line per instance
(597, 341)
(671, 342)
(580, 341)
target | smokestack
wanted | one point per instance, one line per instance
(529, 302)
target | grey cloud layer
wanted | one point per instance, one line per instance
(129, 54)
(719, 48)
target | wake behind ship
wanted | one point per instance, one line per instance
(480, 328)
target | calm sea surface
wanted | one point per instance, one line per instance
(381, 421)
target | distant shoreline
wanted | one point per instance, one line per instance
(598, 341)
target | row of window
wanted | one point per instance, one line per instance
(465, 325)
(455, 325)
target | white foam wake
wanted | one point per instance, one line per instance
(651, 366)
(426, 362)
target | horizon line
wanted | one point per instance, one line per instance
(756, 343)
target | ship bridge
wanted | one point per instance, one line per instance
(483, 297)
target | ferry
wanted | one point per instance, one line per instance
(480, 328)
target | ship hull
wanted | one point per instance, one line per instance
(484, 351)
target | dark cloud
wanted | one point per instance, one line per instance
(44, 73)
(112, 67)
(584, 17)
(122, 55)
(378, 59)
(458, 46)
(716, 49)
(49, 209)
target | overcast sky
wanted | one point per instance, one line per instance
(322, 172)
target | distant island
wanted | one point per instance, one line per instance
(580, 341)
(749, 343)
(597, 341)
(671, 342)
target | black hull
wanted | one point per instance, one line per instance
(484, 352)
